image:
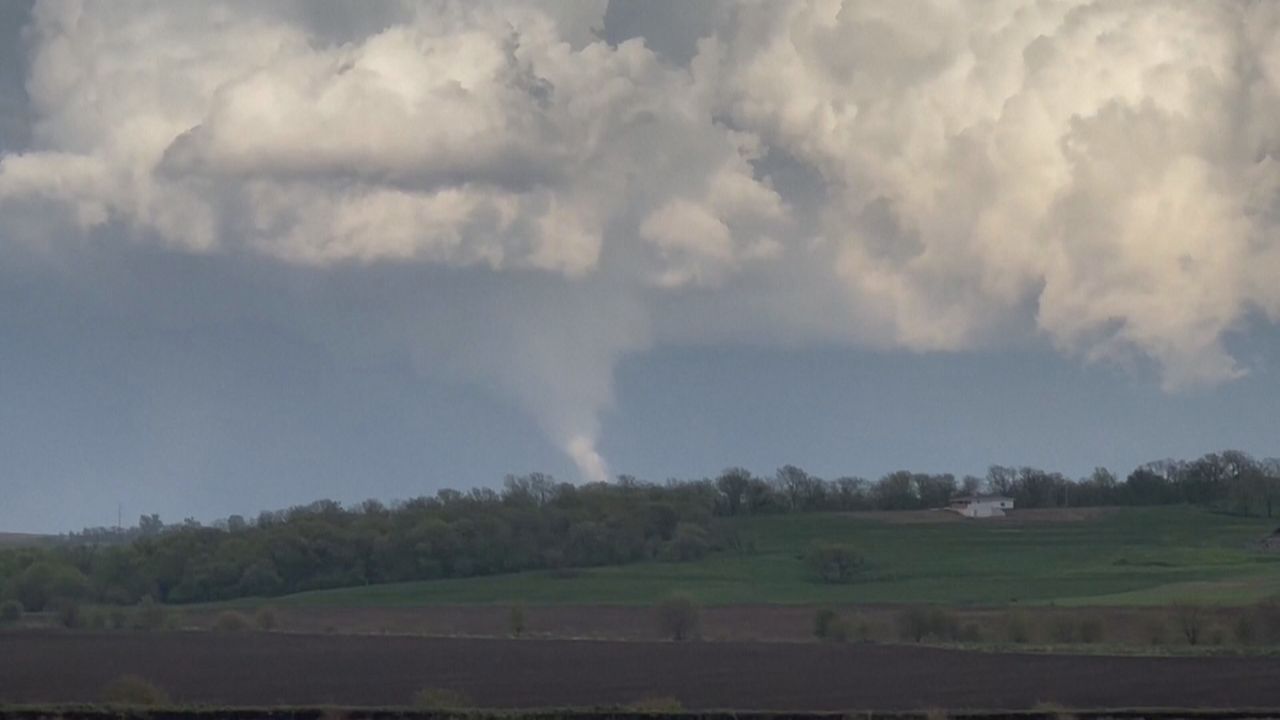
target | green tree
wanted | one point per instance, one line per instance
(45, 581)
(679, 616)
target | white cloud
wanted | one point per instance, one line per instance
(1100, 160)
(1102, 173)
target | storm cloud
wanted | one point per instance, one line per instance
(928, 176)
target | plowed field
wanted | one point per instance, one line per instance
(267, 669)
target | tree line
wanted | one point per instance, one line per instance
(1231, 481)
(537, 523)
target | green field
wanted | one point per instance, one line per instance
(1141, 556)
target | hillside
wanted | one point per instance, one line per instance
(1130, 556)
(21, 539)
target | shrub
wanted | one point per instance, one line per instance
(944, 625)
(117, 619)
(1091, 631)
(1018, 628)
(1062, 629)
(10, 612)
(664, 704)
(828, 625)
(150, 615)
(1191, 621)
(1217, 635)
(1244, 630)
(266, 619)
(230, 621)
(919, 622)
(133, 690)
(833, 563)
(971, 633)
(862, 629)
(69, 614)
(913, 623)
(1267, 617)
(516, 621)
(679, 617)
(1157, 632)
(440, 699)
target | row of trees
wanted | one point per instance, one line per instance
(535, 522)
(1231, 481)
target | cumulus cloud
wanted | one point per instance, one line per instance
(1107, 164)
(1102, 174)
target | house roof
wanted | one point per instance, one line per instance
(982, 498)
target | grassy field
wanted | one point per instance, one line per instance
(1141, 556)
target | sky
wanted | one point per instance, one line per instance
(253, 255)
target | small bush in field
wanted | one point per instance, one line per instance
(1192, 621)
(913, 623)
(265, 619)
(861, 629)
(516, 621)
(133, 690)
(1267, 617)
(1244, 630)
(10, 612)
(663, 704)
(1157, 632)
(1091, 631)
(69, 614)
(440, 699)
(971, 633)
(117, 619)
(1018, 628)
(919, 622)
(150, 615)
(828, 625)
(679, 617)
(230, 621)
(1062, 630)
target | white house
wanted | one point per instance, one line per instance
(981, 506)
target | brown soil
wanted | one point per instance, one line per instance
(276, 669)
(1121, 626)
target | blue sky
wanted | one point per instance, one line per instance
(251, 257)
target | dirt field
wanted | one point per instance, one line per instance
(1121, 626)
(267, 669)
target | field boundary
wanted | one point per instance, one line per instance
(118, 712)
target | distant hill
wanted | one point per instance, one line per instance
(19, 539)
(1104, 557)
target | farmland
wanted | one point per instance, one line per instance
(281, 669)
(1119, 557)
